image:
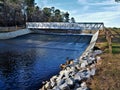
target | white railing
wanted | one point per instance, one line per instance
(64, 25)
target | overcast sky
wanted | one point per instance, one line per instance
(107, 11)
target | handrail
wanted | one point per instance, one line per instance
(66, 25)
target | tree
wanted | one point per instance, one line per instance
(1, 12)
(52, 11)
(58, 17)
(117, 0)
(17, 12)
(66, 15)
(72, 20)
(30, 3)
(37, 14)
(11, 13)
(30, 9)
(52, 17)
(47, 14)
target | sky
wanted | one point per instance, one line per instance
(107, 11)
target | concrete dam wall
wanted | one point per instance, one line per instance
(14, 34)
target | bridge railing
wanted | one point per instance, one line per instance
(65, 25)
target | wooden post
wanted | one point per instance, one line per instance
(16, 27)
(108, 35)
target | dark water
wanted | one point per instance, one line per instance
(28, 60)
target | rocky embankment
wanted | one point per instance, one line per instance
(75, 74)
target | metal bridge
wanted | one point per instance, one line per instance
(65, 26)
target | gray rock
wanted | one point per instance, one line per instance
(78, 66)
(64, 87)
(77, 76)
(60, 82)
(53, 80)
(92, 71)
(47, 85)
(83, 85)
(83, 65)
(79, 88)
(85, 74)
(56, 88)
(69, 81)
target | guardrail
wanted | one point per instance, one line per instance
(65, 25)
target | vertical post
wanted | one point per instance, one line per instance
(108, 38)
(110, 44)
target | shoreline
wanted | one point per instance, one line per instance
(75, 75)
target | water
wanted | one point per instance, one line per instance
(27, 60)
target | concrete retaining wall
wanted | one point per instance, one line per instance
(13, 34)
(92, 43)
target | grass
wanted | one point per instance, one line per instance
(108, 73)
(115, 48)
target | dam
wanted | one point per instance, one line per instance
(27, 60)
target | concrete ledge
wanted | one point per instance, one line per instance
(13, 34)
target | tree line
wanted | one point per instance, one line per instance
(18, 12)
(117, 0)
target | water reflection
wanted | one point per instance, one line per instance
(15, 67)
(28, 60)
